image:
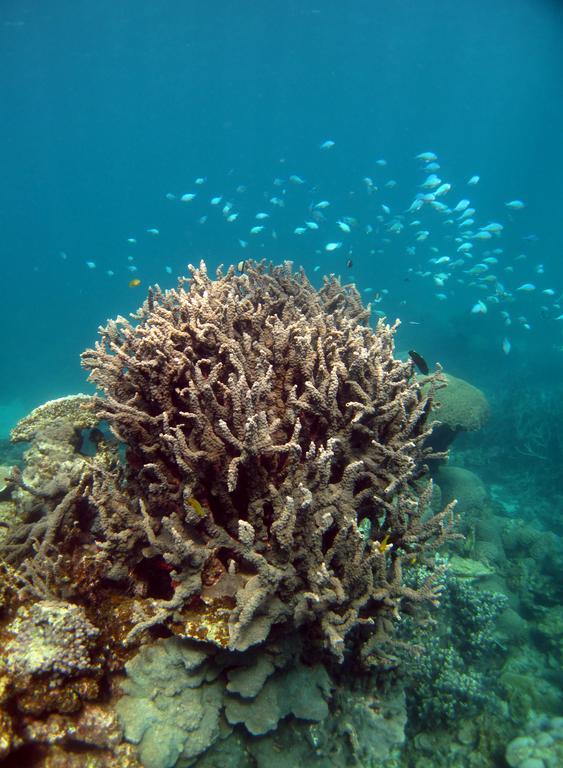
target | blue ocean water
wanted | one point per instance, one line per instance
(108, 106)
(112, 109)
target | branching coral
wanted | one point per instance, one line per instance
(273, 463)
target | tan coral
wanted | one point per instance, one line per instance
(288, 419)
(459, 407)
(78, 410)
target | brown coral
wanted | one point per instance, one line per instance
(273, 446)
(289, 420)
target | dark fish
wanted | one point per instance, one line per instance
(419, 361)
(349, 263)
(96, 435)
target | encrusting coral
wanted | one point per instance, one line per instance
(256, 467)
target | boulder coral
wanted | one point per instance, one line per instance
(459, 407)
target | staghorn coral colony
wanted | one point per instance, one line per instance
(231, 524)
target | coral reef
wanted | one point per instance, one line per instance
(267, 427)
(5, 473)
(460, 407)
(170, 709)
(451, 676)
(462, 485)
(182, 702)
(541, 745)
(254, 469)
(49, 637)
(445, 688)
(74, 411)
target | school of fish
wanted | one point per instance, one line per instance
(438, 229)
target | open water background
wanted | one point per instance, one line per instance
(107, 106)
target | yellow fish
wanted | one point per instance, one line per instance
(194, 503)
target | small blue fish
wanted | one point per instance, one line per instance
(479, 309)
(427, 157)
(416, 205)
(494, 226)
(443, 189)
(328, 144)
(431, 182)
